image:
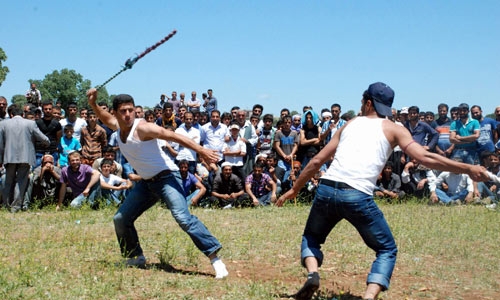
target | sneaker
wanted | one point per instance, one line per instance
(492, 206)
(136, 262)
(220, 269)
(229, 206)
(309, 288)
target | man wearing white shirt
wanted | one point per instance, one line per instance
(186, 129)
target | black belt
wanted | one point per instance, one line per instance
(158, 176)
(336, 184)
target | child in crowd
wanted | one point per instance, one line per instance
(112, 187)
(67, 145)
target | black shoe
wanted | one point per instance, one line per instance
(309, 288)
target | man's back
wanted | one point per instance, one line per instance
(17, 136)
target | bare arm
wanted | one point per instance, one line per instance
(102, 115)
(312, 167)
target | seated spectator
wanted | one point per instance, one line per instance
(460, 188)
(277, 173)
(260, 187)
(227, 189)
(44, 183)
(67, 144)
(388, 183)
(416, 179)
(83, 181)
(109, 153)
(113, 187)
(193, 189)
(486, 192)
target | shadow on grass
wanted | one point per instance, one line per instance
(170, 269)
(322, 295)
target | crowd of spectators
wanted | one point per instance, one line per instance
(260, 155)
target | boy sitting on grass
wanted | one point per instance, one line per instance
(113, 187)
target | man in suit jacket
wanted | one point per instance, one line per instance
(17, 153)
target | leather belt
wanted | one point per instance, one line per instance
(336, 184)
(158, 176)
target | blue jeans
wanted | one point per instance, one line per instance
(448, 197)
(94, 193)
(265, 199)
(329, 207)
(468, 156)
(143, 196)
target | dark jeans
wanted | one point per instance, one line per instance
(330, 206)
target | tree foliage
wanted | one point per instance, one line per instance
(19, 99)
(3, 69)
(67, 86)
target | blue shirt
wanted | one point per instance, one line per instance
(465, 130)
(65, 147)
(188, 183)
(485, 139)
(424, 134)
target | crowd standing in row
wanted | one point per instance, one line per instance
(260, 156)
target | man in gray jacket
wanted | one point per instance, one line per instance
(17, 154)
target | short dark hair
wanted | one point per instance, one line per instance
(336, 105)
(258, 106)
(443, 105)
(106, 161)
(268, 117)
(122, 99)
(183, 162)
(414, 108)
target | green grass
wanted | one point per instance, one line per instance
(444, 253)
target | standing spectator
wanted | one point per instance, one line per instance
(260, 187)
(139, 112)
(284, 112)
(257, 110)
(162, 102)
(84, 113)
(249, 137)
(56, 114)
(93, 140)
(214, 133)
(487, 130)
(61, 110)
(68, 143)
(429, 119)
(193, 102)
(176, 103)
(464, 133)
(168, 117)
(421, 132)
(266, 137)
(227, 190)
(309, 137)
(3, 108)
(330, 127)
(234, 150)
(186, 129)
(234, 112)
(296, 123)
(73, 120)
(17, 155)
(33, 95)
(277, 173)
(210, 102)
(443, 147)
(52, 129)
(286, 143)
(83, 181)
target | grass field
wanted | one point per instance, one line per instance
(444, 253)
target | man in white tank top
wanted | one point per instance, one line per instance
(139, 142)
(346, 190)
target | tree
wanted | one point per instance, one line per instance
(20, 100)
(67, 86)
(3, 69)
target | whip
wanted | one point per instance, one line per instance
(131, 61)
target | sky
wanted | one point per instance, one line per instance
(275, 53)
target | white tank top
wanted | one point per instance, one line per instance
(361, 154)
(146, 157)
